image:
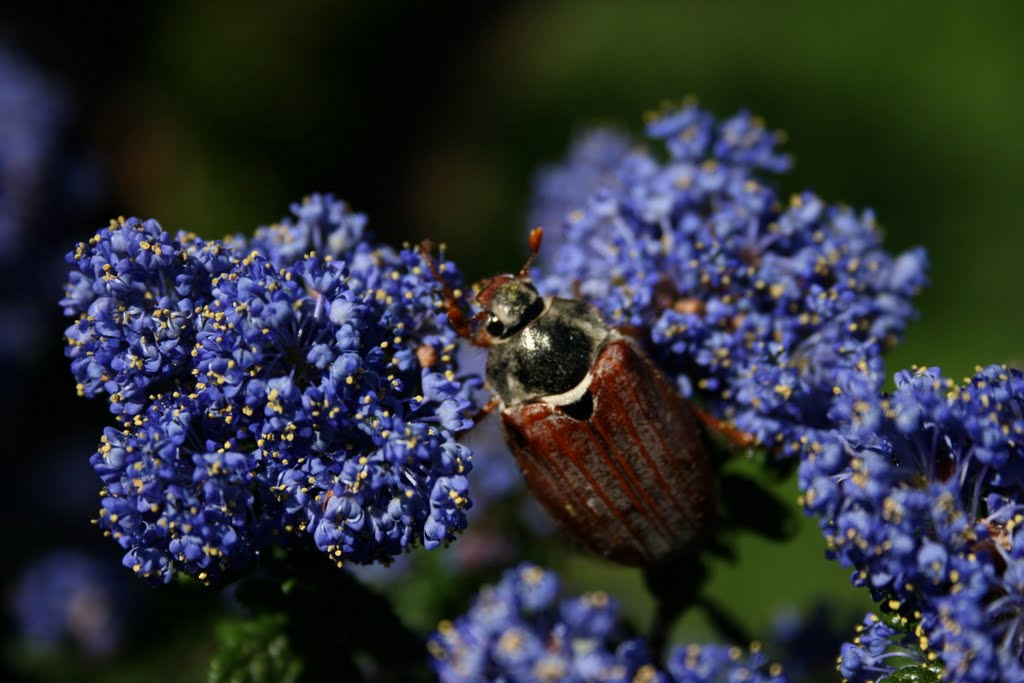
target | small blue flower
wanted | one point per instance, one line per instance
(522, 630)
(759, 309)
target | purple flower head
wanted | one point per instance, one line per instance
(269, 394)
(133, 290)
(922, 499)
(70, 597)
(590, 162)
(523, 630)
(756, 306)
(178, 494)
(33, 113)
(319, 223)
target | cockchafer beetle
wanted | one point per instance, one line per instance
(605, 443)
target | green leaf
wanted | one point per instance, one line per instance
(751, 506)
(255, 650)
(914, 674)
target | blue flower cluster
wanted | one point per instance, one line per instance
(753, 305)
(591, 161)
(521, 630)
(69, 597)
(33, 110)
(922, 494)
(299, 386)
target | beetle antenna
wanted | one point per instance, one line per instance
(453, 307)
(534, 243)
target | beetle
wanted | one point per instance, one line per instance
(605, 443)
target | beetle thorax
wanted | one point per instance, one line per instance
(550, 355)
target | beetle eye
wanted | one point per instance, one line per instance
(495, 327)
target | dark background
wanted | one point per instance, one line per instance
(432, 116)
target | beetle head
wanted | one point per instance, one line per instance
(510, 303)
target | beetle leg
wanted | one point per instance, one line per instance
(453, 307)
(480, 414)
(486, 409)
(736, 436)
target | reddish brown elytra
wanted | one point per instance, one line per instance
(606, 444)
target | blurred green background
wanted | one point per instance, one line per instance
(432, 116)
